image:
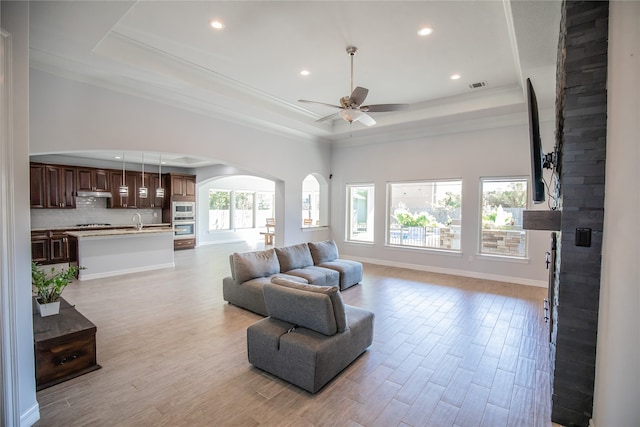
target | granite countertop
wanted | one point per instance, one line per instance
(119, 231)
(101, 227)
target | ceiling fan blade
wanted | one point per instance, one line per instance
(358, 96)
(366, 119)
(379, 108)
(329, 117)
(319, 103)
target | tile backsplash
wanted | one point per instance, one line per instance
(91, 210)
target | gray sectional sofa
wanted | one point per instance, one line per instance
(310, 335)
(316, 263)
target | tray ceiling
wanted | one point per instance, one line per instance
(249, 72)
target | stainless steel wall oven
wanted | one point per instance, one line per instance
(183, 216)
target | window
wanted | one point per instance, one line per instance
(425, 214)
(315, 201)
(360, 213)
(240, 203)
(264, 207)
(503, 201)
(219, 209)
(243, 214)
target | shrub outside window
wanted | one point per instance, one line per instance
(503, 201)
(219, 209)
(425, 214)
(360, 204)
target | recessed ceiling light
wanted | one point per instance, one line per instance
(305, 72)
(455, 77)
(217, 24)
(425, 31)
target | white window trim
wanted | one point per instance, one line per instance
(387, 230)
(482, 255)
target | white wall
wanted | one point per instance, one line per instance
(71, 116)
(18, 395)
(617, 383)
(469, 155)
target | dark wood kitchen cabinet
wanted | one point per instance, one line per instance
(152, 182)
(183, 187)
(40, 247)
(60, 184)
(59, 247)
(51, 247)
(52, 186)
(132, 180)
(37, 184)
(91, 179)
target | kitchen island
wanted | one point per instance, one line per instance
(106, 253)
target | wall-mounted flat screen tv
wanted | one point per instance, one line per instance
(537, 155)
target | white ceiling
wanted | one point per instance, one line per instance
(249, 72)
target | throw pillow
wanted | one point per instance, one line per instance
(292, 257)
(251, 265)
(323, 251)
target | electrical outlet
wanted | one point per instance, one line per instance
(583, 237)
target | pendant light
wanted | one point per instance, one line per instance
(123, 190)
(160, 190)
(142, 191)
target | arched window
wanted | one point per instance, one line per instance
(315, 201)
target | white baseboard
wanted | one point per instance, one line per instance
(85, 276)
(217, 242)
(453, 272)
(30, 416)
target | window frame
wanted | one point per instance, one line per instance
(504, 179)
(319, 205)
(229, 210)
(388, 220)
(370, 207)
(252, 198)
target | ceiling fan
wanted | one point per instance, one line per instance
(351, 108)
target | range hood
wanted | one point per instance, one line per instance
(93, 194)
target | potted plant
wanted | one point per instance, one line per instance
(48, 286)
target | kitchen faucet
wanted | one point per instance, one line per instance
(137, 220)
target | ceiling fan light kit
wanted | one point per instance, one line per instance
(351, 108)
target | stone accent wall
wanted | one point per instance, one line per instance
(450, 238)
(581, 143)
(503, 242)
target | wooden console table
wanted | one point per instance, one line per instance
(64, 344)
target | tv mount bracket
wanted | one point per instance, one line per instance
(549, 160)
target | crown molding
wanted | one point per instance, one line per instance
(84, 73)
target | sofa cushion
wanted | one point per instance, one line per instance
(323, 251)
(338, 307)
(350, 271)
(319, 276)
(251, 265)
(296, 307)
(293, 257)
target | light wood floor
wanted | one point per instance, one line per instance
(447, 351)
